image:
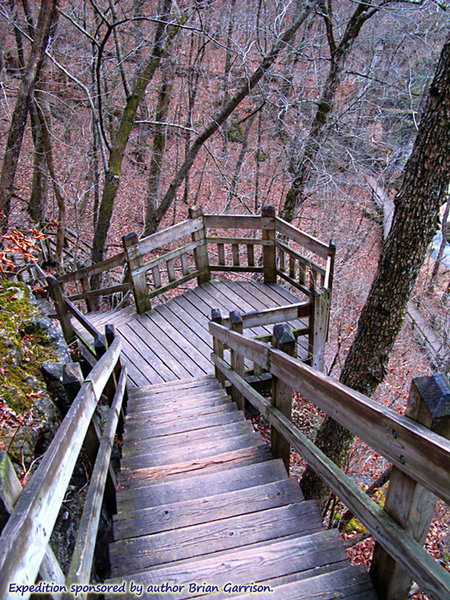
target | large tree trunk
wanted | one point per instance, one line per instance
(46, 20)
(425, 183)
(112, 178)
(159, 146)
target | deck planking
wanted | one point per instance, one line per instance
(171, 341)
(206, 502)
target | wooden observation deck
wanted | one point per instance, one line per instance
(204, 507)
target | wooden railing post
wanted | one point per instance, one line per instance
(237, 360)
(408, 502)
(91, 303)
(269, 252)
(200, 253)
(216, 317)
(56, 293)
(10, 490)
(318, 327)
(282, 339)
(138, 280)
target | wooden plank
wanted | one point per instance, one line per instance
(189, 542)
(10, 490)
(28, 530)
(237, 240)
(250, 255)
(140, 477)
(255, 563)
(106, 291)
(83, 554)
(310, 264)
(235, 269)
(185, 264)
(156, 277)
(147, 340)
(278, 314)
(201, 485)
(195, 451)
(157, 419)
(169, 235)
(251, 349)
(402, 441)
(235, 253)
(208, 509)
(221, 254)
(187, 425)
(306, 290)
(82, 319)
(115, 261)
(237, 221)
(351, 583)
(180, 384)
(184, 346)
(180, 439)
(169, 405)
(170, 346)
(138, 277)
(172, 285)
(164, 258)
(307, 241)
(143, 370)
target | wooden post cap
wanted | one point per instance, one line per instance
(434, 390)
(235, 318)
(282, 335)
(195, 211)
(268, 211)
(130, 239)
(216, 315)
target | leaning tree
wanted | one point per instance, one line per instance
(424, 186)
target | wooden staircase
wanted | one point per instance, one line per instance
(203, 505)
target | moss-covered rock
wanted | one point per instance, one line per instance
(27, 341)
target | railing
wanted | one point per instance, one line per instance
(204, 244)
(421, 457)
(24, 550)
(192, 249)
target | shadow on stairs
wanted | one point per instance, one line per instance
(205, 510)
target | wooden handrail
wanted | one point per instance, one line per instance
(25, 537)
(270, 316)
(414, 449)
(402, 441)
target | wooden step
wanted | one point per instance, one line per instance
(200, 485)
(179, 384)
(200, 540)
(350, 583)
(245, 456)
(195, 451)
(191, 395)
(157, 418)
(191, 424)
(151, 405)
(184, 439)
(267, 561)
(206, 509)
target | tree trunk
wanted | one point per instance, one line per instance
(40, 118)
(112, 177)
(47, 19)
(425, 183)
(319, 127)
(445, 239)
(220, 118)
(159, 146)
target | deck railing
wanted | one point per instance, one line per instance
(193, 249)
(24, 549)
(420, 457)
(204, 244)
